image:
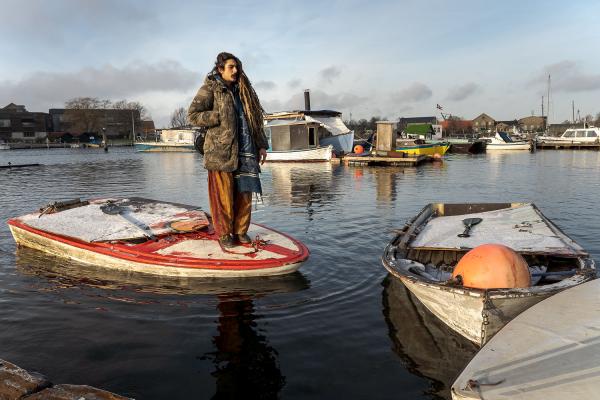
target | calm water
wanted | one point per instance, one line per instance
(340, 328)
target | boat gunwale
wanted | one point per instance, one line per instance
(108, 249)
(403, 238)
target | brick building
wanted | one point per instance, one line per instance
(92, 123)
(19, 125)
(483, 123)
(532, 124)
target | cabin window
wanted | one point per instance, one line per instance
(569, 134)
(311, 137)
(580, 134)
(592, 134)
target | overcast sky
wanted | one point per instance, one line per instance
(364, 58)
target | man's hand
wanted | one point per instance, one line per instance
(263, 155)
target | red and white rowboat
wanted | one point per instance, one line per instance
(153, 237)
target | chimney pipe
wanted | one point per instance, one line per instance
(307, 99)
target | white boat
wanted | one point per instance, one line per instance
(308, 155)
(502, 141)
(4, 146)
(295, 141)
(574, 135)
(424, 254)
(549, 352)
(329, 128)
(170, 140)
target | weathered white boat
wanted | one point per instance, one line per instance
(4, 146)
(153, 237)
(502, 141)
(295, 141)
(424, 254)
(328, 128)
(549, 352)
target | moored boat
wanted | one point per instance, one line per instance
(153, 237)
(418, 147)
(424, 254)
(502, 141)
(574, 135)
(306, 155)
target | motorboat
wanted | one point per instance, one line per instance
(425, 252)
(574, 135)
(420, 147)
(153, 237)
(503, 141)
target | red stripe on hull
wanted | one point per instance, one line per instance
(139, 253)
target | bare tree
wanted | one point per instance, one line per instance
(81, 114)
(132, 105)
(179, 118)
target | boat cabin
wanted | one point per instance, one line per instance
(589, 135)
(292, 135)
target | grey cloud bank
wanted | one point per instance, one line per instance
(459, 93)
(42, 90)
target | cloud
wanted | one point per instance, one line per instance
(330, 73)
(42, 90)
(294, 83)
(459, 93)
(566, 76)
(415, 92)
(265, 85)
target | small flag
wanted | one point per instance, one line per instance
(438, 107)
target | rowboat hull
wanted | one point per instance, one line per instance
(309, 155)
(423, 253)
(424, 149)
(189, 254)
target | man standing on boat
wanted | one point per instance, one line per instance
(228, 106)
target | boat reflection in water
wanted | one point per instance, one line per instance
(65, 273)
(244, 364)
(426, 346)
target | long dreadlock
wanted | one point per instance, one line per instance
(252, 108)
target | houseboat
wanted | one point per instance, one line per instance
(296, 141)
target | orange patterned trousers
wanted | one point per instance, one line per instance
(231, 210)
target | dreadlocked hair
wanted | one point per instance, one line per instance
(252, 108)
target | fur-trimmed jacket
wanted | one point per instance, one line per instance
(213, 108)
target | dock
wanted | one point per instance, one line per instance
(567, 146)
(409, 161)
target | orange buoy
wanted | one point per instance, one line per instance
(437, 156)
(493, 266)
(358, 149)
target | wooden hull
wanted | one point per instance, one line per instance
(424, 149)
(463, 309)
(478, 314)
(164, 147)
(310, 155)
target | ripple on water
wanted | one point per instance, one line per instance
(337, 328)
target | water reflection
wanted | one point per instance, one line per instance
(303, 185)
(61, 273)
(426, 346)
(245, 364)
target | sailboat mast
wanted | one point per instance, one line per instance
(548, 108)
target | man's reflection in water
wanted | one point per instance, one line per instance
(245, 365)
